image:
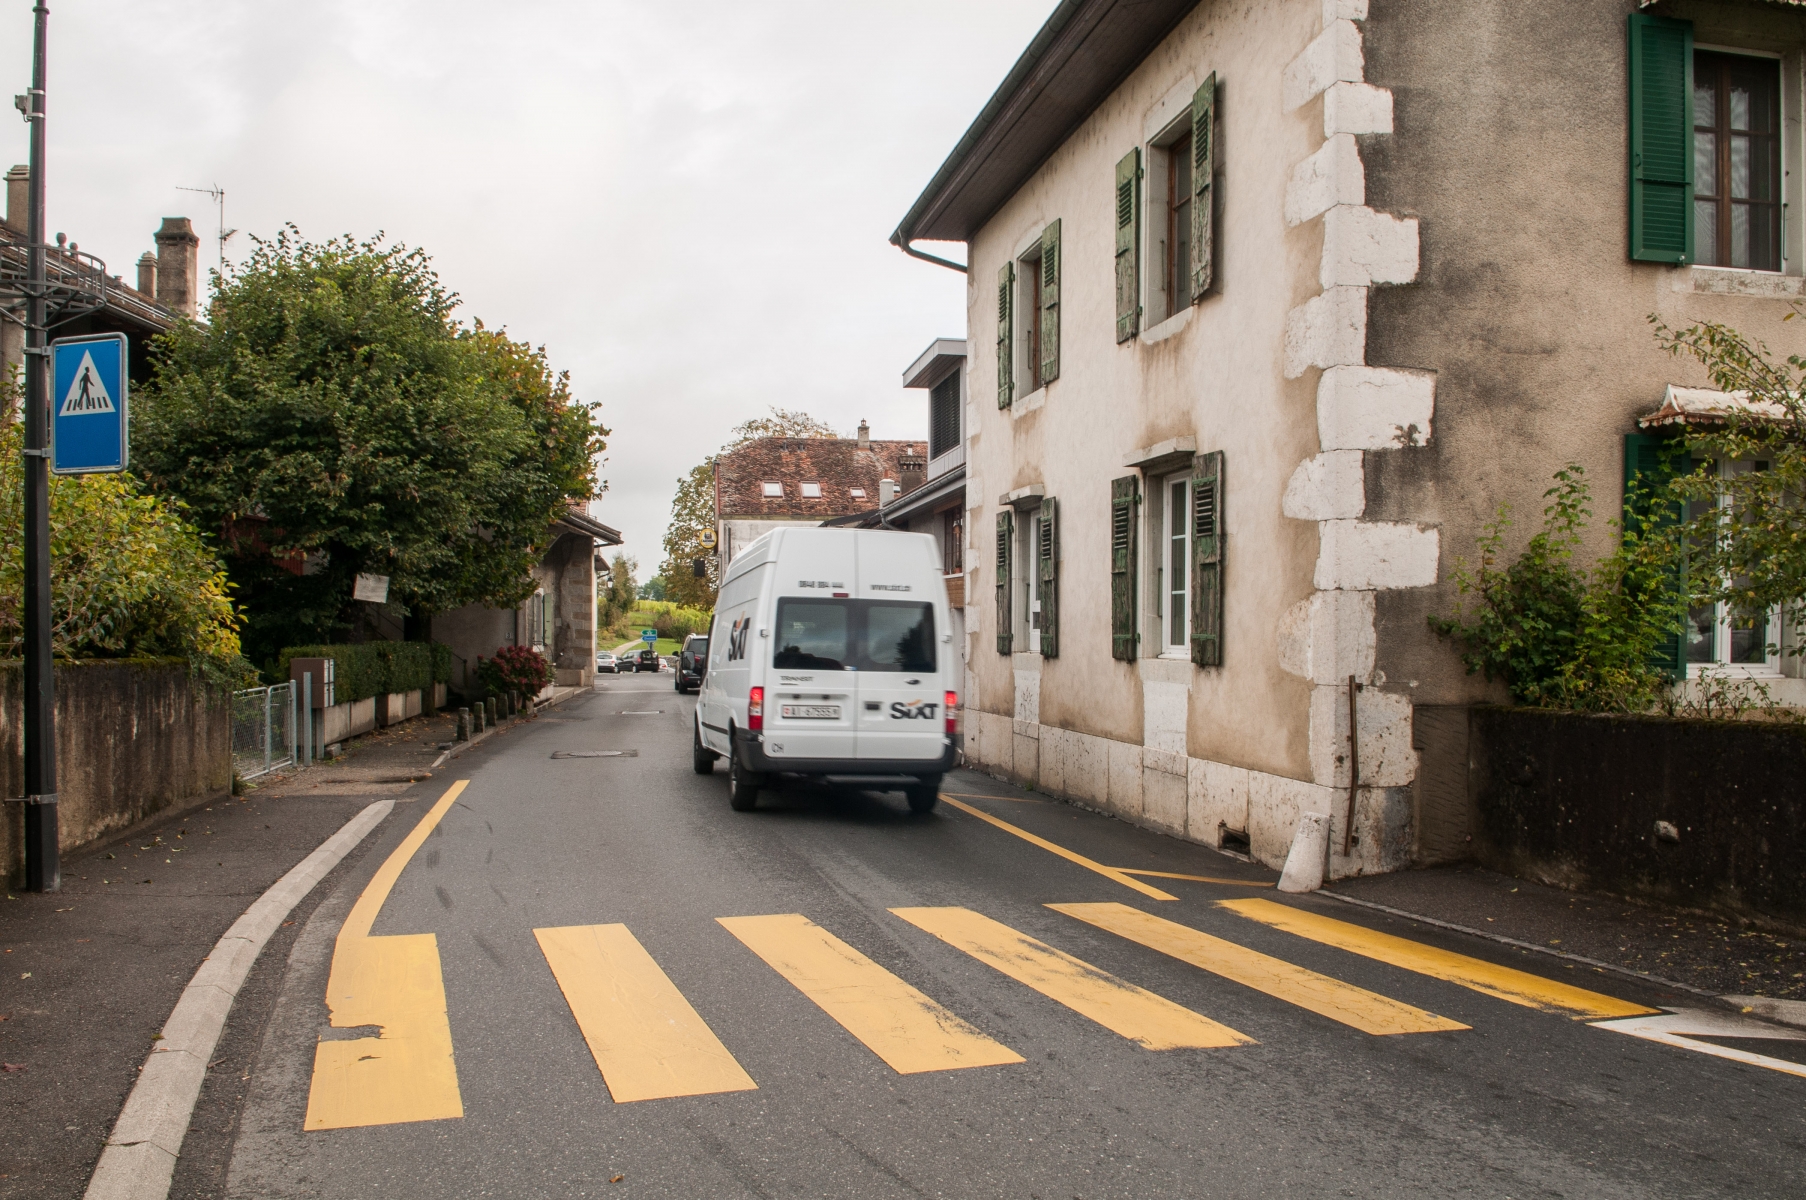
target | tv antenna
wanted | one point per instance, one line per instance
(218, 194)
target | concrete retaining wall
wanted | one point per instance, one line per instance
(133, 738)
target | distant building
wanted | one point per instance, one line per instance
(167, 284)
(785, 481)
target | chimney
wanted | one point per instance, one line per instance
(18, 198)
(178, 265)
(887, 491)
(147, 274)
(912, 471)
(865, 436)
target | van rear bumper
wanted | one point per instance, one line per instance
(751, 751)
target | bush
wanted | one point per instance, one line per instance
(129, 577)
(376, 668)
(1559, 637)
(515, 669)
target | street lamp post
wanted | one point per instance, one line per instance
(42, 870)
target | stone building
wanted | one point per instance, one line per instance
(1274, 305)
(784, 481)
(167, 284)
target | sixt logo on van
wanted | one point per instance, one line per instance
(913, 711)
(736, 638)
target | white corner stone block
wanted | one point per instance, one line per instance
(1332, 175)
(1028, 696)
(1333, 57)
(1329, 637)
(1331, 486)
(1328, 330)
(1362, 247)
(1374, 408)
(1375, 554)
(1216, 794)
(1356, 108)
(1387, 757)
(1343, 10)
(1166, 710)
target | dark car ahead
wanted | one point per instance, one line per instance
(647, 660)
(692, 662)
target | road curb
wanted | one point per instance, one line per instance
(490, 732)
(139, 1160)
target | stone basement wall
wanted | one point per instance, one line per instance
(1330, 636)
(132, 739)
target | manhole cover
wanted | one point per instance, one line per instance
(641, 712)
(595, 754)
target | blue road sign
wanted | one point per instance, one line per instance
(649, 636)
(88, 404)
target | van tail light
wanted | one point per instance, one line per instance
(755, 709)
(951, 704)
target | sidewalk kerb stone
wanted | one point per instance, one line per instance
(139, 1160)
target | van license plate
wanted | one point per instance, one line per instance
(812, 712)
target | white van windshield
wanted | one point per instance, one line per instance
(854, 635)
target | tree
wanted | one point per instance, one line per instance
(693, 508)
(615, 591)
(652, 589)
(1746, 541)
(333, 412)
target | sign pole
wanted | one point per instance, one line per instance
(42, 870)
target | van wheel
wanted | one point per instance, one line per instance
(702, 759)
(742, 786)
(925, 795)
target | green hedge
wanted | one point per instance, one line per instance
(373, 668)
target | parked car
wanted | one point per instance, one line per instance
(692, 662)
(607, 662)
(838, 660)
(647, 660)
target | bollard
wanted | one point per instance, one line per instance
(491, 706)
(463, 725)
(479, 713)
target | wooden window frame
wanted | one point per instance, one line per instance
(1177, 270)
(1028, 320)
(1767, 145)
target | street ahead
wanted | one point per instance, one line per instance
(832, 997)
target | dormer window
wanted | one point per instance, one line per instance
(772, 488)
(856, 493)
(812, 491)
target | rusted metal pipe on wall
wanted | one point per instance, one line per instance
(1354, 768)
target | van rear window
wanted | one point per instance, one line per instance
(854, 635)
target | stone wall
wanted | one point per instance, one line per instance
(133, 738)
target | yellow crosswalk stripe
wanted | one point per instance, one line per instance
(406, 1073)
(1364, 1010)
(1141, 1016)
(1504, 983)
(646, 1038)
(896, 1022)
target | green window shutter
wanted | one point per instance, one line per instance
(1661, 139)
(1207, 559)
(1649, 464)
(1006, 302)
(1203, 189)
(1047, 569)
(1006, 530)
(1128, 245)
(1050, 303)
(1125, 496)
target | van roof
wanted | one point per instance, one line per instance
(768, 546)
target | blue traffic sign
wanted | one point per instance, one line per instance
(89, 409)
(649, 636)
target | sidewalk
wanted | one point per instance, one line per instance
(88, 975)
(1701, 952)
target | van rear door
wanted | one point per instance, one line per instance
(900, 693)
(810, 697)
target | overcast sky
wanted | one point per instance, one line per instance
(687, 204)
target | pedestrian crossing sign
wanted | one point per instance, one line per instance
(89, 411)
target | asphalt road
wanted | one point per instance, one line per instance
(803, 1015)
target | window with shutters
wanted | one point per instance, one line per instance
(1167, 196)
(1036, 307)
(1737, 160)
(953, 532)
(1174, 571)
(1031, 590)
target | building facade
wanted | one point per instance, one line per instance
(777, 481)
(1288, 299)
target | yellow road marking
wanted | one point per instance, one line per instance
(1504, 983)
(1114, 873)
(1364, 1010)
(1151, 1021)
(896, 1022)
(1197, 878)
(647, 1040)
(406, 1072)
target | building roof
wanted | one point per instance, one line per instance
(127, 309)
(578, 521)
(1708, 406)
(1083, 52)
(838, 465)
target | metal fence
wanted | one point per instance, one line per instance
(264, 730)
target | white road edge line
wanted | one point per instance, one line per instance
(139, 1161)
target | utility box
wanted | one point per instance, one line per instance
(321, 670)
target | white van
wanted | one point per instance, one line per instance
(830, 657)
